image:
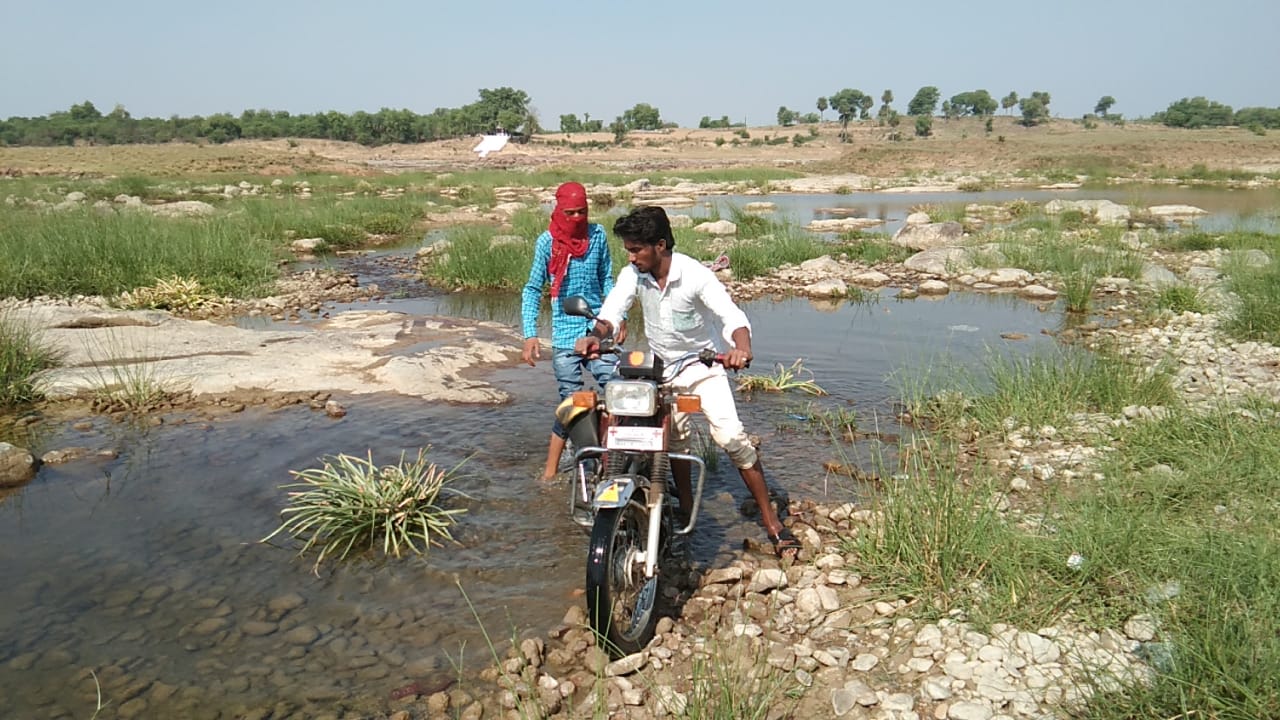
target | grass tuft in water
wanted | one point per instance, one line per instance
(350, 503)
(783, 379)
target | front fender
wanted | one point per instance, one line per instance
(615, 492)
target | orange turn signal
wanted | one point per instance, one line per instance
(636, 358)
(584, 399)
(688, 403)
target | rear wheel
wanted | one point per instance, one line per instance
(620, 599)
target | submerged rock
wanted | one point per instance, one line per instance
(17, 465)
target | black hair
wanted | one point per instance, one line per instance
(646, 225)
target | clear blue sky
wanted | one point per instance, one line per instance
(689, 58)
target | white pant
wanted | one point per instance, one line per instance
(711, 385)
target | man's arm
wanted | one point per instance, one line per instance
(715, 297)
(616, 303)
(531, 297)
(605, 269)
(740, 356)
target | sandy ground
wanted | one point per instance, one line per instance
(958, 146)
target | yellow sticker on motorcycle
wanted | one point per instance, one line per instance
(614, 494)
(608, 494)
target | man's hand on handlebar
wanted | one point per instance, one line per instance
(737, 359)
(588, 347)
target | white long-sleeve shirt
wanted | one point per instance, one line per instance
(693, 312)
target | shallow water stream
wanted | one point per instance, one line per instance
(147, 568)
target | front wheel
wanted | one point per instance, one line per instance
(620, 599)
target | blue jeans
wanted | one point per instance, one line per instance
(568, 370)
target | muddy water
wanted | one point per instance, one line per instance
(147, 568)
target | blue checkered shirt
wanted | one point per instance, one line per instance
(590, 276)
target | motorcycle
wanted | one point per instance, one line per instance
(620, 490)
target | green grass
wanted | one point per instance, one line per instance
(1179, 523)
(732, 680)
(1192, 499)
(81, 252)
(1045, 388)
(752, 259)
(1069, 168)
(872, 248)
(935, 537)
(942, 212)
(783, 379)
(1178, 299)
(350, 504)
(1078, 259)
(471, 262)
(342, 222)
(1077, 290)
(126, 374)
(1256, 314)
(1232, 240)
(22, 355)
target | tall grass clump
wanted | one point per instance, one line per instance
(754, 225)
(342, 223)
(942, 212)
(1047, 388)
(22, 354)
(1079, 259)
(937, 536)
(872, 248)
(1256, 314)
(1178, 299)
(790, 246)
(471, 260)
(81, 252)
(1077, 290)
(351, 503)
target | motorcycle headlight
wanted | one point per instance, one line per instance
(638, 398)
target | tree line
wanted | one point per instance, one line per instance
(1198, 112)
(501, 108)
(511, 110)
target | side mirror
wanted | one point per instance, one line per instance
(577, 305)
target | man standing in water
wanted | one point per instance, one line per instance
(572, 256)
(685, 305)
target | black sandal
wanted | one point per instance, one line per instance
(785, 544)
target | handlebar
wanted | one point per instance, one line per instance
(706, 356)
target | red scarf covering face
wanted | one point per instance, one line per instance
(568, 233)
